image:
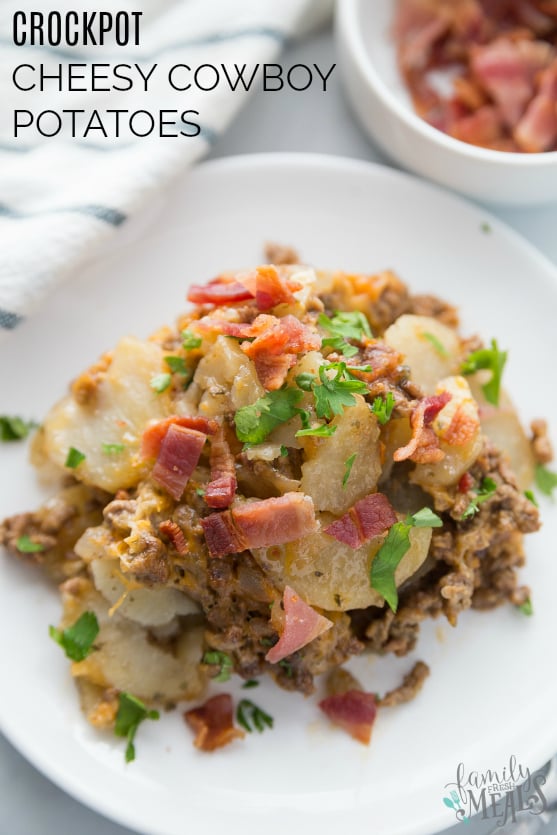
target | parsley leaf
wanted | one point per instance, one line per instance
(546, 480)
(437, 344)
(492, 359)
(487, 489)
(190, 340)
(77, 640)
(26, 545)
(287, 667)
(347, 324)
(283, 451)
(322, 431)
(531, 498)
(223, 660)
(160, 382)
(250, 683)
(395, 546)
(526, 608)
(349, 463)
(255, 422)
(177, 365)
(112, 449)
(259, 718)
(74, 458)
(15, 428)
(131, 713)
(334, 394)
(382, 408)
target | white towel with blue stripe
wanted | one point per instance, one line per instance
(62, 199)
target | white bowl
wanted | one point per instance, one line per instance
(375, 88)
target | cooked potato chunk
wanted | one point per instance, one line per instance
(227, 378)
(431, 349)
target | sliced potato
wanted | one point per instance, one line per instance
(124, 402)
(325, 465)
(333, 576)
(429, 348)
(227, 378)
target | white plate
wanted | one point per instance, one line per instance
(493, 688)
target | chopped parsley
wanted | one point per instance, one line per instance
(342, 327)
(382, 407)
(283, 451)
(333, 394)
(223, 661)
(160, 382)
(494, 360)
(349, 463)
(131, 713)
(487, 489)
(26, 545)
(531, 498)
(486, 228)
(190, 340)
(526, 608)
(77, 640)
(15, 428)
(255, 422)
(113, 449)
(437, 344)
(287, 667)
(177, 365)
(74, 458)
(248, 712)
(250, 683)
(395, 546)
(546, 480)
(321, 431)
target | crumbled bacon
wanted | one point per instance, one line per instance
(465, 483)
(354, 711)
(213, 723)
(221, 290)
(276, 346)
(259, 524)
(301, 625)
(155, 433)
(423, 446)
(369, 517)
(179, 453)
(221, 490)
(176, 535)
(270, 289)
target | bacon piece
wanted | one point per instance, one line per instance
(221, 290)
(302, 624)
(276, 346)
(176, 535)
(465, 483)
(155, 434)
(367, 518)
(220, 491)
(537, 130)
(259, 524)
(354, 711)
(423, 446)
(483, 127)
(462, 428)
(177, 459)
(213, 723)
(270, 289)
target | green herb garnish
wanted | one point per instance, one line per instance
(113, 449)
(77, 640)
(74, 458)
(382, 407)
(223, 661)
(248, 712)
(15, 428)
(342, 327)
(348, 464)
(492, 359)
(190, 340)
(131, 713)
(437, 344)
(255, 422)
(486, 228)
(332, 395)
(283, 451)
(160, 382)
(27, 546)
(287, 667)
(322, 431)
(395, 546)
(177, 365)
(531, 498)
(526, 608)
(250, 683)
(546, 480)
(487, 489)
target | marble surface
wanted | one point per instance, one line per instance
(283, 121)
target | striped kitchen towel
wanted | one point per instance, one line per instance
(62, 199)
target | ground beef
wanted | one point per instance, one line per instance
(541, 444)
(279, 254)
(411, 685)
(434, 307)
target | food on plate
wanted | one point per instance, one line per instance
(303, 468)
(483, 72)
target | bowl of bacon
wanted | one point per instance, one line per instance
(463, 92)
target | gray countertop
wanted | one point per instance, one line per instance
(281, 121)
